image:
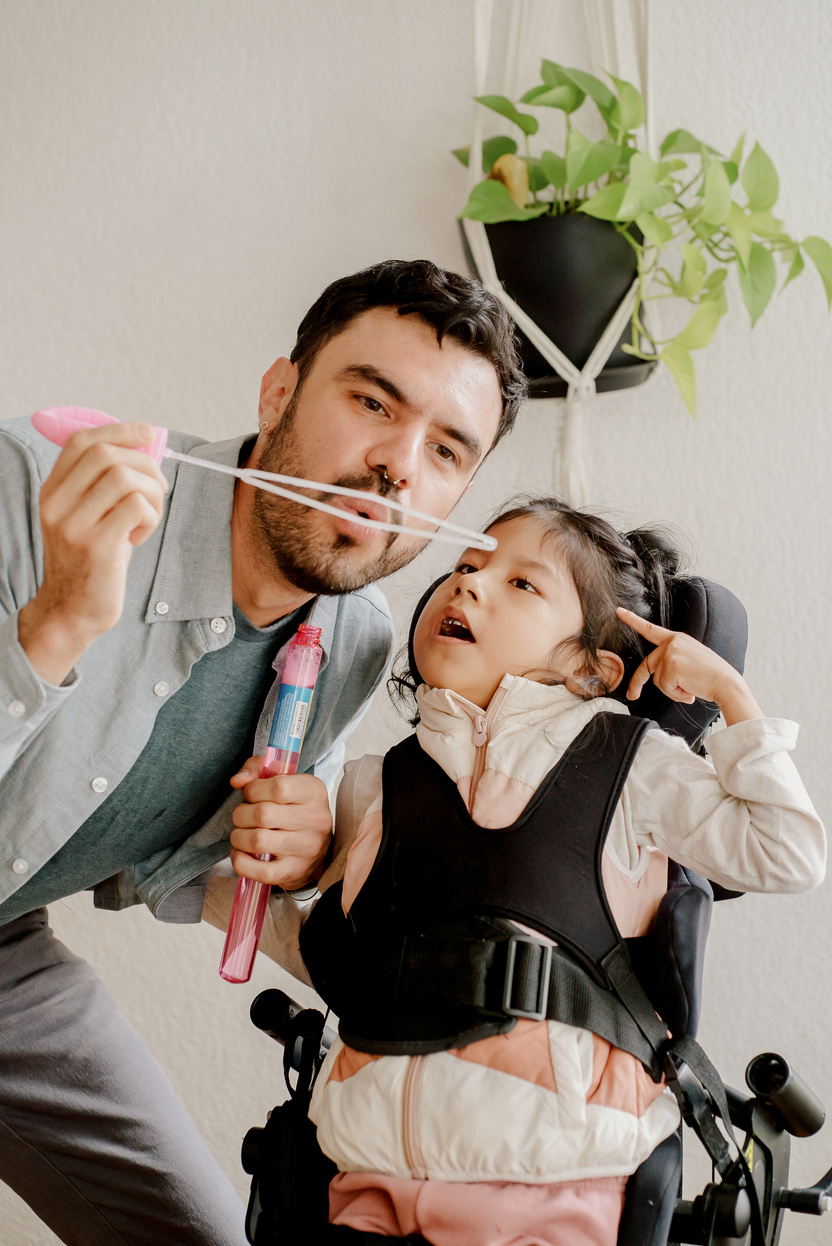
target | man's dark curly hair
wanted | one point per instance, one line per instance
(454, 306)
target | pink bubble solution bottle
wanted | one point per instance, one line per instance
(291, 716)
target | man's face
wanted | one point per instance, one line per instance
(383, 397)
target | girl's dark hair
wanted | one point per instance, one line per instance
(632, 569)
(455, 307)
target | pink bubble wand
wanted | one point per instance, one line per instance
(291, 715)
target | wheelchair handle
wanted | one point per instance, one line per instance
(277, 1015)
(777, 1085)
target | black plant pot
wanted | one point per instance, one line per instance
(569, 273)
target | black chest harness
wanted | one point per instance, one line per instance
(428, 957)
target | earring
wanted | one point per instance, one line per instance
(264, 424)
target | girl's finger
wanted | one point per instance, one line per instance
(639, 679)
(650, 631)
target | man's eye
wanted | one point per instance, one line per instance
(370, 404)
(445, 453)
(525, 585)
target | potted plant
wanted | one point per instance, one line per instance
(570, 232)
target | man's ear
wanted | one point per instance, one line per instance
(278, 384)
(610, 668)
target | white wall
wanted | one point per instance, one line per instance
(180, 178)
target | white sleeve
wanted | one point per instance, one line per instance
(741, 817)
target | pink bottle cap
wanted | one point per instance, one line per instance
(57, 424)
(307, 635)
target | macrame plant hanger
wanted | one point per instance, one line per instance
(569, 470)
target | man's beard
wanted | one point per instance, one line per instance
(287, 538)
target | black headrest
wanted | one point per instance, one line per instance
(703, 609)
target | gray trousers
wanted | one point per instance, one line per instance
(92, 1134)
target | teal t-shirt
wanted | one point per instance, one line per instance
(201, 737)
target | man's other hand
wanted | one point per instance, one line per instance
(286, 817)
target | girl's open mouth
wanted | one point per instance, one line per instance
(455, 629)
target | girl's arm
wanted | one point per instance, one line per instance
(742, 818)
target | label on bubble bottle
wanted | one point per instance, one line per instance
(289, 722)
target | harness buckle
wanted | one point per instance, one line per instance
(545, 973)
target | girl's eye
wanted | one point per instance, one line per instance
(464, 568)
(525, 585)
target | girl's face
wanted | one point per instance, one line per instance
(500, 613)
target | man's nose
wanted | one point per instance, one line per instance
(397, 459)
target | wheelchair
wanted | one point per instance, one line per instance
(747, 1198)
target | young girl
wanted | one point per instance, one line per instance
(528, 1136)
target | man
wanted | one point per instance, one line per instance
(141, 615)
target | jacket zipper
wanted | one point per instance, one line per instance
(413, 1157)
(482, 732)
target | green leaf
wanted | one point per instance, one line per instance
(716, 295)
(492, 149)
(739, 227)
(760, 181)
(795, 269)
(820, 253)
(680, 363)
(628, 110)
(672, 166)
(732, 170)
(587, 161)
(565, 96)
(643, 194)
(655, 229)
(693, 272)
(717, 189)
(736, 154)
(757, 280)
(764, 225)
(701, 327)
(681, 141)
(554, 166)
(490, 201)
(537, 174)
(532, 95)
(589, 85)
(606, 203)
(499, 103)
(715, 279)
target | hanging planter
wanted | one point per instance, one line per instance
(569, 273)
(558, 230)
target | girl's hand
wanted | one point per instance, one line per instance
(684, 670)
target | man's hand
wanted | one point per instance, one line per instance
(684, 670)
(286, 817)
(100, 500)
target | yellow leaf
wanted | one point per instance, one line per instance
(514, 174)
